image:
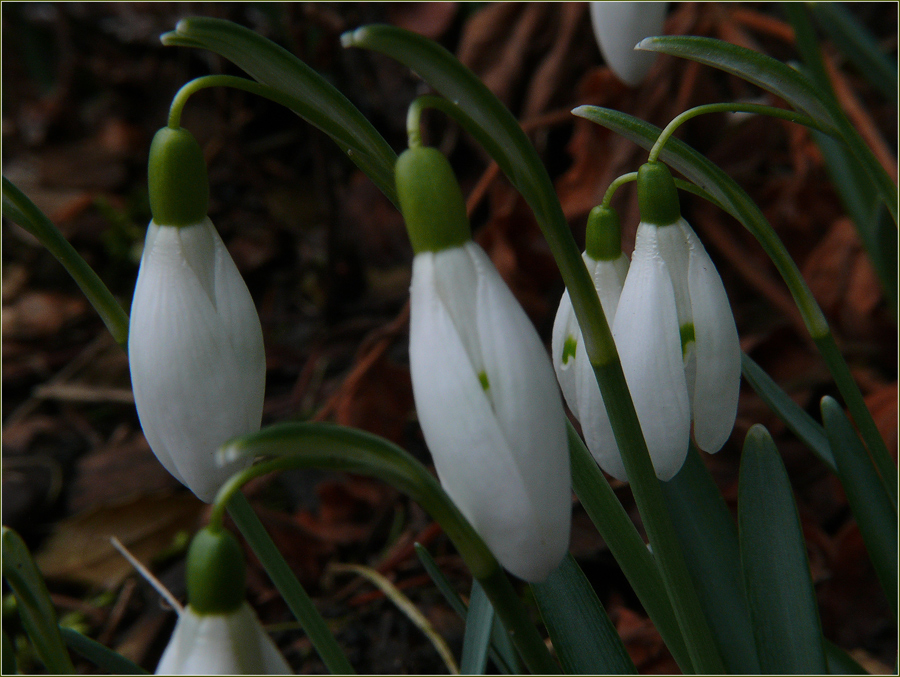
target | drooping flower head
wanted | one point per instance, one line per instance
(195, 343)
(608, 266)
(218, 633)
(618, 27)
(484, 389)
(675, 332)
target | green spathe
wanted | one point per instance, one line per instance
(657, 195)
(432, 204)
(603, 237)
(215, 572)
(177, 180)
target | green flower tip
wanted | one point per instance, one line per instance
(215, 572)
(603, 238)
(176, 173)
(569, 347)
(687, 336)
(431, 201)
(657, 195)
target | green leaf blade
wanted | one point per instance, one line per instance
(101, 656)
(477, 637)
(585, 639)
(709, 540)
(762, 70)
(775, 565)
(869, 501)
(798, 421)
(35, 608)
(626, 546)
(327, 109)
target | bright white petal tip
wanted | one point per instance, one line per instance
(221, 644)
(618, 26)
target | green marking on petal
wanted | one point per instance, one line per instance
(483, 379)
(687, 337)
(569, 348)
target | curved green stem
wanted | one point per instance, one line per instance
(252, 86)
(615, 185)
(414, 119)
(23, 211)
(757, 108)
(305, 445)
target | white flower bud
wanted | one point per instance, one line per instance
(196, 353)
(618, 27)
(221, 644)
(678, 344)
(490, 409)
(573, 367)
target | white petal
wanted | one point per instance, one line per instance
(221, 644)
(595, 425)
(718, 353)
(618, 27)
(497, 479)
(674, 248)
(566, 333)
(649, 346)
(195, 353)
(608, 277)
(525, 398)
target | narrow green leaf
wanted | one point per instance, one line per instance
(875, 515)
(798, 421)
(858, 45)
(871, 218)
(326, 108)
(286, 582)
(776, 569)
(477, 638)
(8, 656)
(709, 540)
(23, 211)
(441, 581)
(502, 652)
(104, 658)
(585, 640)
(626, 545)
(34, 605)
(851, 174)
(762, 70)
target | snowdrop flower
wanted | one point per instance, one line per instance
(485, 392)
(607, 266)
(618, 27)
(675, 332)
(195, 343)
(218, 633)
(221, 644)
